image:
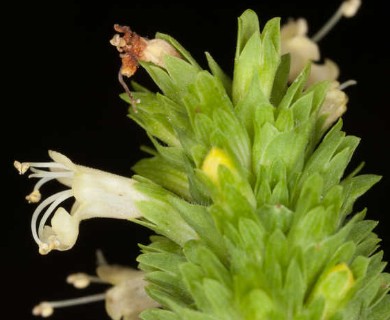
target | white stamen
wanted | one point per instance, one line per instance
(46, 165)
(41, 182)
(347, 9)
(61, 196)
(347, 84)
(46, 176)
(22, 167)
(50, 174)
(38, 210)
(82, 280)
(46, 309)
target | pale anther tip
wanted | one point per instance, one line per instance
(22, 167)
(44, 309)
(350, 7)
(78, 280)
(34, 197)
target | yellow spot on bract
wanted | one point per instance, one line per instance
(335, 286)
(343, 268)
(213, 160)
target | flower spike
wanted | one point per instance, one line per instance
(247, 190)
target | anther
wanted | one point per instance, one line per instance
(34, 196)
(350, 7)
(44, 309)
(22, 167)
(82, 280)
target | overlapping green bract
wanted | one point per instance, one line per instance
(275, 237)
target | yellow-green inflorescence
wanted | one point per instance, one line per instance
(247, 188)
(256, 167)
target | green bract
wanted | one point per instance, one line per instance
(274, 235)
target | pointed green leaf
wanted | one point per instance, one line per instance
(294, 91)
(220, 74)
(248, 24)
(246, 65)
(269, 55)
(381, 311)
(254, 106)
(281, 79)
(158, 314)
(165, 174)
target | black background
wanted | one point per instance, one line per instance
(60, 92)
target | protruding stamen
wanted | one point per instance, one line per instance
(347, 84)
(82, 280)
(46, 309)
(50, 174)
(34, 196)
(347, 9)
(38, 210)
(41, 182)
(61, 197)
(22, 167)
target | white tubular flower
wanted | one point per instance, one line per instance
(302, 49)
(125, 300)
(97, 194)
